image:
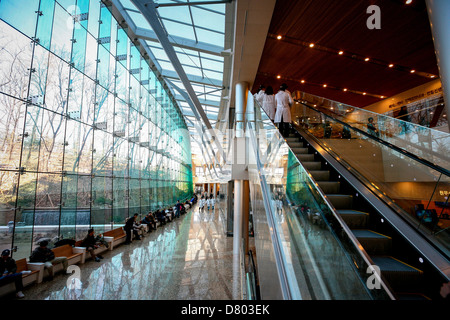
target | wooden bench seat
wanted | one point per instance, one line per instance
(117, 235)
(74, 255)
(36, 274)
(97, 251)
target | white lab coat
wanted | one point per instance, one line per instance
(284, 102)
(259, 96)
(269, 105)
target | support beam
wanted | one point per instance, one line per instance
(196, 3)
(184, 43)
(439, 16)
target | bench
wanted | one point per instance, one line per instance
(97, 251)
(36, 275)
(74, 255)
(118, 236)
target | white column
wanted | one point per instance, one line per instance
(240, 102)
(439, 15)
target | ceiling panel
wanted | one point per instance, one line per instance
(404, 40)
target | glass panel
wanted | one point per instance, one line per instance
(12, 118)
(15, 62)
(405, 184)
(8, 190)
(45, 23)
(47, 212)
(21, 14)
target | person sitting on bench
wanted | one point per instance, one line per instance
(8, 273)
(149, 220)
(161, 217)
(45, 255)
(90, 243)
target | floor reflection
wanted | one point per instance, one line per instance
(190, 258)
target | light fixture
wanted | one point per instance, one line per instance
(366, 59)
(345, 89)
(408, 2)
(391, 65)
(279, 37)
(324, 85)
(382, 97)
(364, 93)
(303, 81)
(278, 77)
(432, 76)
(311, 45)
(412, 71)
(341, 52)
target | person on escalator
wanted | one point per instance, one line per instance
(268, 103)
(260, 94)
(372, 129)
(284, 102)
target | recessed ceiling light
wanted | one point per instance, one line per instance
(382, 97)
(432, 76)
(345, 89)
(412, 71)
(324, 85)
(366, 59)
(303, 81)
(364, 93)
(278, 77)
(341, 52)
(408, 1)
(279, 37)
(311, 45)
(391, 65)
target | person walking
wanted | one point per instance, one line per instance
(284, 102)
(268, 103)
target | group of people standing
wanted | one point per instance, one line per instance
(277, 106)
(209, 202)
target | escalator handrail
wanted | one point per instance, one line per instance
(385, 143)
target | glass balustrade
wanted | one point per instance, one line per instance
(416, 186)
(296, 229)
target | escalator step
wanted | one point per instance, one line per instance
(296, 144)
(299, 150)
(312, 165)
(354, 219)
(305, 157)
(400, 276)
(321, 175)
(341, 201)
(373, 242)
(291, 139)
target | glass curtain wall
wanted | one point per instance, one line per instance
(88, 133)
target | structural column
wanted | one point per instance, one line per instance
(239, 165)
(439, 15)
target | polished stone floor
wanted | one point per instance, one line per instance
(190, 258)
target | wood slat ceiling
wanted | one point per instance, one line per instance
(404, 40)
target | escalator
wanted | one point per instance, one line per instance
(405, 280)
(329, 207)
